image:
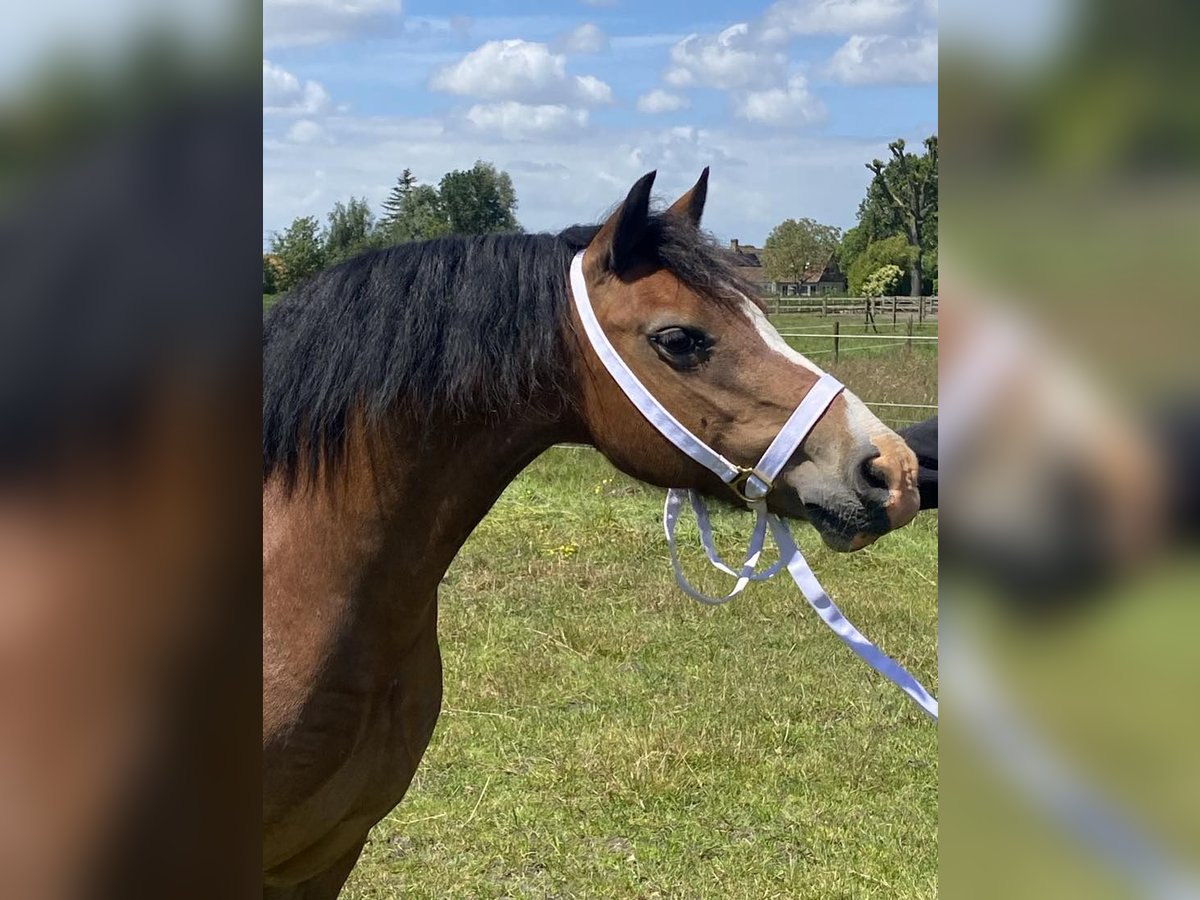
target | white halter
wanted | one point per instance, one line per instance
(752, 485)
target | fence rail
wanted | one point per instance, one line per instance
(875, 337)
(921, 307)
(836, 336)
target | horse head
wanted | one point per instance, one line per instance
(680, 317)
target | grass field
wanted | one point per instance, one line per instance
(603, 736)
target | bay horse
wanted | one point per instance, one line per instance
(403, 390)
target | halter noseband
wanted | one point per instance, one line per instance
(752, 485)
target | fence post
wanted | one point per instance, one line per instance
(921, 308)
(824, 311)
(908, 343)
(893, 310)
(836, 338)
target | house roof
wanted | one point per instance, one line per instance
(745, 256)
(829, 271)
(748, 259)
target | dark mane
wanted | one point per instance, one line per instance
(448, 329)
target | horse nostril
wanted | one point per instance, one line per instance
(872, 475)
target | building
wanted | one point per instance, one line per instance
(822, 280)
(817, 281)
(747, 260)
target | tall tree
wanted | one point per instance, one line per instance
(349, 231)
(909, 182)
(795, 246)
(854, 242)
(300, 251)
(419, 217)
(480, 200)
(395, 200)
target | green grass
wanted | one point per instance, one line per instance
(603, 736)
(879, 371)
(856, 338)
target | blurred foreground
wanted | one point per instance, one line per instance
(129, 650)
(1070, 392)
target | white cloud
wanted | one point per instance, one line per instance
(587, 38)
(598, 3)
(518, 70)
(519, 121)
(288, 23)
(591, 90)
(789, 18)
(284, 94)
(732, 58)
(305, 131)
(759, 177)
(793, 104)
(660, 101)
(751, 56)
(886, 59)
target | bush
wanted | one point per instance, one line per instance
(892, 251)
(882, 282)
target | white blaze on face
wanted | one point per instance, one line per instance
(861, 421)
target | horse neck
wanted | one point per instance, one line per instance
(400, 508)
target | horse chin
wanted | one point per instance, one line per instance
(840, 536)
(841, 533)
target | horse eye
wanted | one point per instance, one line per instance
(679, 341)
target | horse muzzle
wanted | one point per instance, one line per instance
(876, 493)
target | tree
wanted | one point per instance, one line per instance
(909, 184)
(854, 242)
(350, 229)
(793, 247)
(272, 272)
(395, 200)
(300, 252)
(420, 217)
(891, 251)
(480, 200)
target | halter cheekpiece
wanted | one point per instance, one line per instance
(752, 485)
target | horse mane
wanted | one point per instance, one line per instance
(454, 328)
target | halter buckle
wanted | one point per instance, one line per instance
(740, 483)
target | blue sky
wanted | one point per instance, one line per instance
(785, 100)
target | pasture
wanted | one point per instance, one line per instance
(603, 736)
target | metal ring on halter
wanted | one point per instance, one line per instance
(742, 482)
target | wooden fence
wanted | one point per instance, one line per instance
(876, 339)
(883, 308)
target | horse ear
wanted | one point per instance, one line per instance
(614, 244)
(691, 205)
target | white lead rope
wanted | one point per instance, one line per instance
(801, 572)
(753, 485)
